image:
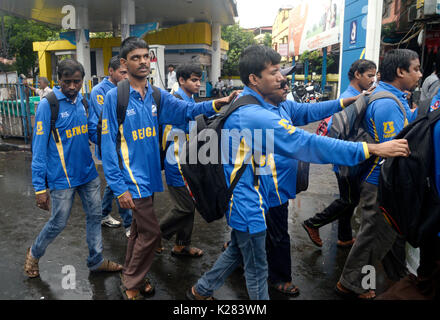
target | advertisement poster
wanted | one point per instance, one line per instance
(313, 25)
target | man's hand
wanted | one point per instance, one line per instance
(389, 149)
(350, 100)
(126, 201)
(226, 100)
(43, 200)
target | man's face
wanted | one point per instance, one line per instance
(191, 85)
(119, 74)
(280, 94)
(170, 69)
(42, 84)
(71, 85)
(269, 84)
(410, 79)
(366, 79)
(137, 63)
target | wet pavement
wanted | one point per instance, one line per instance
(315, 270)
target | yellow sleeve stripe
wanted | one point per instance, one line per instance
(367, 153)
(341, 103)
(122, 194)
(213, 107)
(40, 192)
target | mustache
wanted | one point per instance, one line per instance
(283, 84)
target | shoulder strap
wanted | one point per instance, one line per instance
(86, 105)
(178, 96)
(157, 97)
(54, 110)
(386, 94)
(239, 102)
(123, 97)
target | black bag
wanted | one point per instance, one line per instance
(121, 110)
(55, 109)
(407, 194)
(348, 125)
(206, 183)
(302, 176)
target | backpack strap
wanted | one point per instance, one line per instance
(157, 98)
(386, 94)
(54, 110)
(123, 94)
(239, 102)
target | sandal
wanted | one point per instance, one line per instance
(287, 288)
(187, 251)
(138, 296)
(351, 295)
(143, 291)
(191, 294)
(31, 268)
(109, 266)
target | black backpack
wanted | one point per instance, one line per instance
(407, 194)
(121, 110)
(348, 124)
(55, 109)
(206, 183)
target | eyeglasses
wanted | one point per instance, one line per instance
(69, 81)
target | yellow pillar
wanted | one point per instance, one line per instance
(45, 63)
(107, 55)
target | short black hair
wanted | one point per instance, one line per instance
(361, 66)
(254, 59)
(68, 67)
(130, 44)
(115, 63)
(44, 79)
(396, 58)
(186, 70)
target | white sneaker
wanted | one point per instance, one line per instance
(110, 222)
(127, 232)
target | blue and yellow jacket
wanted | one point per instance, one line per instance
(173, 138)
(97, 97)
(259, 128)
(141, 173)
(281, 181)
(384, 120)
(66, 164)
(435, 104)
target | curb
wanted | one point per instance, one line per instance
(14, 147)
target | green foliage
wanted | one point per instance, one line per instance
(267, 41)
(238, 40)
(315, 61)
(20, 33)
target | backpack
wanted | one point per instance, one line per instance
(123, 95)
(55, 109)
(348, 125)
(407, 195)
(302, 176)
(322, 129)
(206, 183)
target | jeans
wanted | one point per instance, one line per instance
(243, 247)
(107, 200)
(61, 205)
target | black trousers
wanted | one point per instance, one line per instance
(278, 244)
(341, 209)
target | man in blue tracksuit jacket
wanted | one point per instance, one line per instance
(384, 119)
(67, 167)
(361, 75)
(180, 220)
(281, 186)
(133, 169)
(117, 73)
(260, 72)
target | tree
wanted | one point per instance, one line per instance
(267, 41)
(19, 35)
(238, 39)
